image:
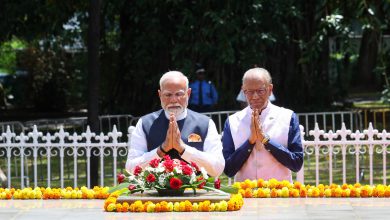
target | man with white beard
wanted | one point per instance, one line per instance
(176, 131)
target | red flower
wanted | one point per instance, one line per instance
(195, 166)
(154, 163)
(168, 164)
(183, 163)
(200, 186)
(131, 187)
(150, 178)
(121, 177)
(175, 183)
(217, 184)
(166, 157)
(137, 170)
(187, 170)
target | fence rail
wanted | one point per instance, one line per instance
(63, 157)
(368, 143)
(328, 120)
(60, 145)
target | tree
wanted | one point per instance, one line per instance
(93, 79)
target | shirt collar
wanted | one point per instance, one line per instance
(181, 116)
(263, 113)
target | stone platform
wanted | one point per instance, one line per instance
(277, 208)
(201, 195)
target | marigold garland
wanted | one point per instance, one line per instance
(235, 203)
(282, 189)
(55, 193)
(247, 189)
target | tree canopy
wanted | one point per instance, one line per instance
(316, 51)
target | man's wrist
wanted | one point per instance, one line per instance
(252, 142)
(162, 150)
(183, 148)
(265, 139)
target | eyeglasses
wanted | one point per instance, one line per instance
(257, 91)
(178, 95)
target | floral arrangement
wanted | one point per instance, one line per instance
(273, 188)
(235, 203)
(168, 174)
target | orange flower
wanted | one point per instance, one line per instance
(294, 193)
(164, 206)
(274, 193)
(303, 192)
(353, 192)
(387, 191)
(118, 207)
(346, 193)
(260, 183)
(261, 193)
(188, 206)
(273, 183)
(337, 192)
(248, 193)
(322, 193)
(297, 185)
(158, 208)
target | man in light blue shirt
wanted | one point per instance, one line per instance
(204, 95)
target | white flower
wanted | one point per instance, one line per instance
(161, 180)
(140, 183)
(131, 178)
(193, 178)
(160, 169)
(150, 169)
(204, 173)
(178, 170)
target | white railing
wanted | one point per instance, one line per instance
(347, 143)
(61, 144)
(331, 120)
(35, 155)
(327, 120)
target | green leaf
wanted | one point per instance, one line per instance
(226, 189)
(136, 190)
(118, 187)
(211, 180)
(124, 191)
(229, 189)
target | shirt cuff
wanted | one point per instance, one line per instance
(270, 145)
(188, 152)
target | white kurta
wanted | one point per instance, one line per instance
(275, 121)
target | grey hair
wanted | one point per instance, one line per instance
(173, 74)
(256, 73)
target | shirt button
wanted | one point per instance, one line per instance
(249, 150)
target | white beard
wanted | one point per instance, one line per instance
(175, 109)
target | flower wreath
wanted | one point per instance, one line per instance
(167, 173)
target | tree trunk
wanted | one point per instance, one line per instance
(93, 81)
(367, 58)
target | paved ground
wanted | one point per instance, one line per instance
(313, 208)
